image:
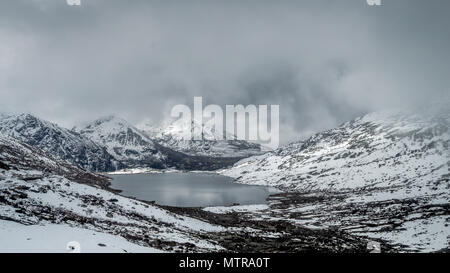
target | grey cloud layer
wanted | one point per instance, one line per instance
(323, 61)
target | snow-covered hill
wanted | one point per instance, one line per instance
(124, 142)
(198, 139)
(63, 238)
(385, 174)
(58, 141)
(377, 150)
(45, 197)
(36, 164)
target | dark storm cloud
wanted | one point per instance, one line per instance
(323, 61)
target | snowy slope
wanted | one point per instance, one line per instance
(51, 238)
(384, 175)
(58, 141)
(56, 200)
(197, 139)
(40, 193)
(4, 115)
(377, 150)
(15, 155)
(124, 142)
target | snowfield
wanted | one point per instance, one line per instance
(51, 238)
(230, 209)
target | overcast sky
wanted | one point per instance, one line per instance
(323, 61)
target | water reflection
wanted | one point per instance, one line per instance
(189, 189)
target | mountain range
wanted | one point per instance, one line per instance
(197, 139)
(111, 143)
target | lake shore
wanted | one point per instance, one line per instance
(189, 189)
(289, 219)
(272, 227)
(152, 170)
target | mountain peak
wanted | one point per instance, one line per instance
(57, 141)
(111, 120)
(109, 126)
(4, 115)
(123, 140)
(198, 139)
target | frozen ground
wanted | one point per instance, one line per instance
(231, 209)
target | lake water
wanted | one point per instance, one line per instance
(189, 189)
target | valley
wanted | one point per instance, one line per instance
(383, 177)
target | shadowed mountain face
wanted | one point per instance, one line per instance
(37, 164)
(124, 142)
(58, 141)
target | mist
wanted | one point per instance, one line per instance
(323, 61)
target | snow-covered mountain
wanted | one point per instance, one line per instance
(36, 163)
(377, 150)
(58, 141)
(107, 144)
(197, 139)
(124, 142)
(386, 175)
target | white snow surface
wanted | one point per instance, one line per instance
(51, 238)
(240, 208)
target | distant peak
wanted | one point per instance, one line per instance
(111, 119)
(110, 124)
(26, 117)
(4, 115)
